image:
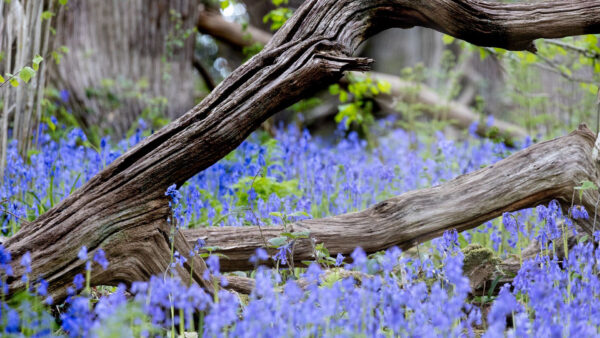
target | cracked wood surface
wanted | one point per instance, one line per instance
(543, 172)
(123, 208)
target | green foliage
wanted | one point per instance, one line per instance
(250, 51)
(26, 73)
(177, 34)
(576, 61)
(264, 187)
(58, 54)
(279, 15)
(585, 185)
(357, 100)
(47, 15)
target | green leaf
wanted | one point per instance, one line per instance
(447, 39)
(384, 86)
(482, 53)
(47, 15)
(63, 2)
(585, 185)
(14, 82)
(343, 96)
(50, 124)
(334, 89)
(74, 184)
(276, 214)
(36, 62)
(493, 286)
(278, 241)
(301, 234)
(32, 152)
(296, 235)
(224, 4)
(26, 74)
(2, 79)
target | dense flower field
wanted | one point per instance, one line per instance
(295, 175)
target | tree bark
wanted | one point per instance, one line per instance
(459, 114)
(123, 54)
(543, 172)
(123, 209)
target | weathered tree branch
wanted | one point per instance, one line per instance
(433, 105)
(545, 171)
(123, 208)
(233, 33)
(459, 114)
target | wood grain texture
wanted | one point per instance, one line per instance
(460, 115)
(123, 54)
(536, 175)
(123, 209)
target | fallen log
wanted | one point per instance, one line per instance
(536, 175)
(123, 209)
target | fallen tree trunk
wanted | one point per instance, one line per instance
(123, 209)
(458, 114)
(214, 24)
(436, 107)
(536, 175)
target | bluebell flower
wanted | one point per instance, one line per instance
(82, 253)
(13, 321)
(174, 194)
(212, 262)
(282, 253)
(259, 255)
(359, 259)
(100, 258)
(64, 95)
(26, 262)
(42, 288)
(200, 243)
(78, 319)
(579, 212)
(178, 260)
(313, 273)
(79, 280)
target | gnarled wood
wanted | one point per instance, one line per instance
(401, 90)
(538, 174)
(123, 208)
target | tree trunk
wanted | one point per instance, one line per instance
(123, 209)
(543, 172)
(123, 57)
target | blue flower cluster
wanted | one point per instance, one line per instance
(296, 175)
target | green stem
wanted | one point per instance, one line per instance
(88, 277)
(181, 322)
